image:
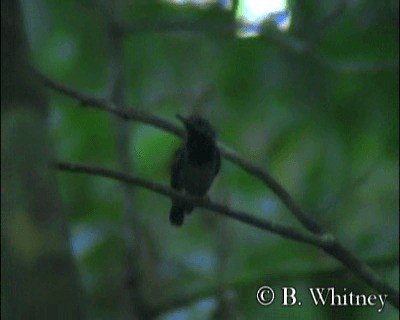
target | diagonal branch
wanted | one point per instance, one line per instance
(133, 114)
(244, 217)
(335, 248)
(326, 241)
(174, 301)
(283, 40)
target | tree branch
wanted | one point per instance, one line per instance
(244, 217)
(314, 274)
(181, 25)
(133, 114)
(335, 249)
(281, 39)
(326, 241)
(132, 298)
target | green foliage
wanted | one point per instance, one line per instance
(322, 120)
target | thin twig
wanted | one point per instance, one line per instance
(132, 300)
(158, 122)
(286, 41)
(286, 232)
(173, 302)
(216, 27)
(306, 220)
(335, 248)
(326, 242)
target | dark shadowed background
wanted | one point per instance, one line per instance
(315, 104)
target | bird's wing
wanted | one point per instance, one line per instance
(218, 164)
(176, 169)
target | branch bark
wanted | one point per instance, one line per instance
(335, 249)
(326, 241)
(286, 232)
(338, 272)
(132, 297)
(158, 122)
(285, 41)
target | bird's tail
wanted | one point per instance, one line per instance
(177, 213)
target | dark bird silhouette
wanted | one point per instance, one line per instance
(195, 166)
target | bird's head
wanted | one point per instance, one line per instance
(196, 125)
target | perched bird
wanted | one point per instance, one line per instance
(195, 166)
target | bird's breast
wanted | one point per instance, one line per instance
(198, 178)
